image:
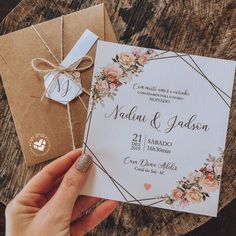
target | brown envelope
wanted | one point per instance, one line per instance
(43, 127)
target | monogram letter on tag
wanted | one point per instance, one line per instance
(64, 87)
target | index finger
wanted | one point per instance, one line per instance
(42, 182)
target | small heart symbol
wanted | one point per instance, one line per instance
(147, 186)
(40, 145)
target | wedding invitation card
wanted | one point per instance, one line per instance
(156, 127)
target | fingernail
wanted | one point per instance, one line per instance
(83, 163)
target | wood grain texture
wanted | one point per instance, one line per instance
(2, 219)
(6, 7)
(196, 26)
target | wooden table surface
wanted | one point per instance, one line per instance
(199, 27)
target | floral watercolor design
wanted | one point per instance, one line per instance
(197, 187)
(125, 66)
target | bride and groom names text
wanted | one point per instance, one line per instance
(174, 122)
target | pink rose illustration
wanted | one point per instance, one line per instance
(112, 86)
(112, 72)
(136, 51)
(143, 59)
(209, 168)
(194, 195)
(183, 202)
(208, 183)
(102, 87)
(126, 59)
(177, 194)
(126, 66)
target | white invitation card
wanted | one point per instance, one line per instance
(156, 127)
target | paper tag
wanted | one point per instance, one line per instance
(64, 89)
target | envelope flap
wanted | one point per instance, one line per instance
(18, 48)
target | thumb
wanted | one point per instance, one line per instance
(72, 184)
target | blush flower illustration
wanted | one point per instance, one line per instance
(193, 195)
(125, 67)
(126, 59)
(112, 72)
(177, 193)
(136, 51)
(196, 188)
(143, 59)
(103, 87)
(183, 202)
(208, 183)
(113, 86)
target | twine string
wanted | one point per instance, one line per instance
(72, 72)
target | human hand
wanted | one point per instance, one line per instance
(50, 203)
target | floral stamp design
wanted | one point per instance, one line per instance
(197, 187)
(125, 66)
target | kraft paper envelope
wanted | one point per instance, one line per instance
(43, 127)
